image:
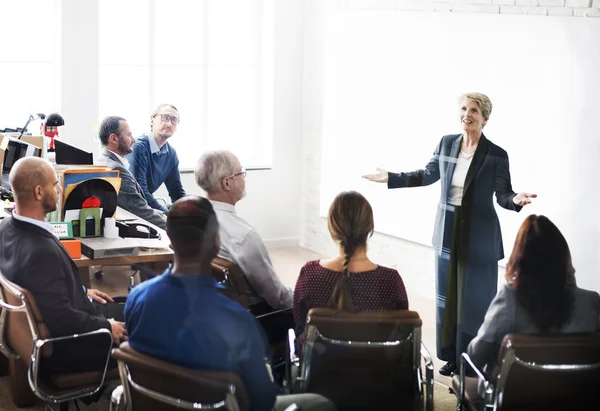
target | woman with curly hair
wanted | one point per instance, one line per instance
(540, 294)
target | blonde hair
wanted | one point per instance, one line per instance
(483, 101)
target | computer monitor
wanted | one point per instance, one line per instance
(16, 149)
(69, 154)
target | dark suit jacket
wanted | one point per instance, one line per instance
(488, 175)
(131, 196)
(34, 259)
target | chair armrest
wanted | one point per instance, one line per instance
(274, 312)
(428, 377)
(428, 362)
(291, 359)
(115, 398)
(292, 347)
(464, 358)
(35, 359)
(162, 200)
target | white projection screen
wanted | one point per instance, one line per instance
(391, 83)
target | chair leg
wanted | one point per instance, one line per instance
(22, 395)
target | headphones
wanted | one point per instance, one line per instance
(137, 230)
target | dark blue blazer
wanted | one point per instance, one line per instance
(488, 175)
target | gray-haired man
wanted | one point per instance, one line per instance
(223, 178)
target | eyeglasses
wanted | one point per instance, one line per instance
(166, 118)
(241, 173)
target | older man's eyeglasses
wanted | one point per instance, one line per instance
(165, 118)
(241, 173)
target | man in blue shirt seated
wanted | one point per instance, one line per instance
(200, 327)
(154, 161)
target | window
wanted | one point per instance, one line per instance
(27, 57)
(210, 58)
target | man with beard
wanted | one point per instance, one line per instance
(117, 140)
(154, 161)
(33, 258)
(221, 175)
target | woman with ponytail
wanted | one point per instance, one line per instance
(350, 281)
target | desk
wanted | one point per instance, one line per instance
(156, 260)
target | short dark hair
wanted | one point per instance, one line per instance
(192, 226)
(109, 126)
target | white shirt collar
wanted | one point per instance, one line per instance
(123, 160)
(42, 224)
(218, 205)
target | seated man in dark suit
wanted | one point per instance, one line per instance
(117, 140)
(200, 327)
(33, 258)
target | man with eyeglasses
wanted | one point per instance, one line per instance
(117, 140)
(221, 175)
(154, 161)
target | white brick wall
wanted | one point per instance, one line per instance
(528, 7)
(415, 262)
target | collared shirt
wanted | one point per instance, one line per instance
(241, 244)
(186, 320)
(42, 224)
(123, 160)
(154, 146)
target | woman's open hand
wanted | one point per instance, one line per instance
(522, 199)
(380, 176)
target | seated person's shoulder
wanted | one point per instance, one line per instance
(141, 146)
(587, 297)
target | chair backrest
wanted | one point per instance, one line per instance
(547, 371)
(362, 360)
(162, 382)
(230, 275)
(21, 322)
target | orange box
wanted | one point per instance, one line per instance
(73, 247)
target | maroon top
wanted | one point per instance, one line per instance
(376, 290)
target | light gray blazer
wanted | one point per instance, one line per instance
(507, 316)
(131, 197)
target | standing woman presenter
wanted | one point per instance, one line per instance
(467, 237)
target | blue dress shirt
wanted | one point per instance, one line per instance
(186, 320)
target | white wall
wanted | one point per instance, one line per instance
(272, 204)
(415, 262)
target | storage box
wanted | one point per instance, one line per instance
(73, 247)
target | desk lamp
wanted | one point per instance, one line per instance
(50, 128)
(31, 117)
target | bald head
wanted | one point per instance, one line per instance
(28, 178)
(193, 229)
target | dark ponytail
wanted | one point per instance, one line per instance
(341, 298)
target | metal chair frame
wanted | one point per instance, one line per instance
(495, 393)
(38, 343)
(312, 333)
